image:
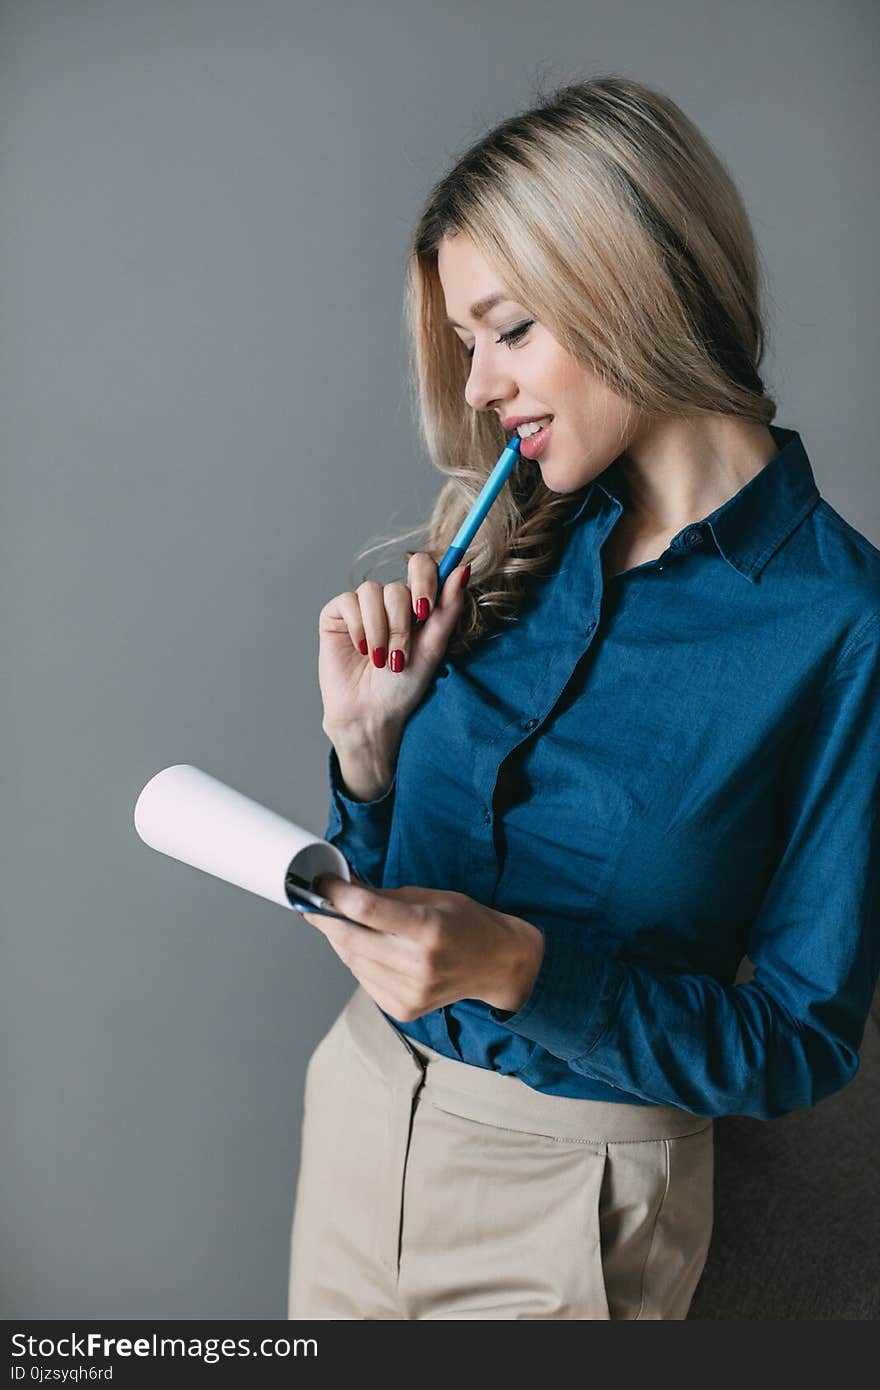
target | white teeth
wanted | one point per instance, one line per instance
(525, 430)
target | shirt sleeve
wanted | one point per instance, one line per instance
(789, 1036)
(360, 829)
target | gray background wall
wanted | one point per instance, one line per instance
(206, 209)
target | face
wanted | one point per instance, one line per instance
(532, 374)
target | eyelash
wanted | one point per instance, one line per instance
(511, 336)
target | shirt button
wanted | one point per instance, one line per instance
(659, 568)
(692, 536)
(590, 627)
(487, 816)
(532, 723)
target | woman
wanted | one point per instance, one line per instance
(633, 744)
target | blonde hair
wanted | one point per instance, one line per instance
(608, 215)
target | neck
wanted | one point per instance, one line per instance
(678, 470)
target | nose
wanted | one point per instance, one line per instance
(489, 381)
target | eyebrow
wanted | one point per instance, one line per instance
(482, 307)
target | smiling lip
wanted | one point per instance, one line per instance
(513, 420)
(530, 448)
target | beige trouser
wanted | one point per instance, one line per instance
(429, 1188)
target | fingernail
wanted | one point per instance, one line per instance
(362, 646)
(465, 575)
(378, 656)
(397, 660)
(423, 608)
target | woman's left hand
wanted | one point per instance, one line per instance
(420, 948)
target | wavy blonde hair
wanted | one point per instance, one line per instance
(608, 215)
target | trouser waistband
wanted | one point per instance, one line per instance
(494, 1098)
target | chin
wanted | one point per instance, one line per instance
(560, 483)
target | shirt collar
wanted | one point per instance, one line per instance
(750, 526)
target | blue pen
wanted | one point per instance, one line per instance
(471, 524)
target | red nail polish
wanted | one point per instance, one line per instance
(423, 608)
(379, 656)
(465, 575)
(397, 660)
(362, 646)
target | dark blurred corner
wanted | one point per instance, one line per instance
(797, 1207)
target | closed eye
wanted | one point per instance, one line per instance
(511, 336)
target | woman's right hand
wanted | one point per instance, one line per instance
(363, 695)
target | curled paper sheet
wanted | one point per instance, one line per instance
(191, 816)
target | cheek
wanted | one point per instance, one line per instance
(606, 407)
(574, 387)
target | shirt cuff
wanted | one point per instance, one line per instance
(571, 1000)
(360, 829)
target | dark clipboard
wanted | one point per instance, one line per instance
(303, 898)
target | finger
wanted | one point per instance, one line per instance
(342, 615)
(348, 606)
(398, 608)
(385, 985)
(435, 634)
(313, 919)
(381, 950)
(362, 949)
(421, 578)
(401, 911)
(453, 588)
(375, 620)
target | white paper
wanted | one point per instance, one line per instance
(191, 816)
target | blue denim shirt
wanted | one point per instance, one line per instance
(664, 773)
